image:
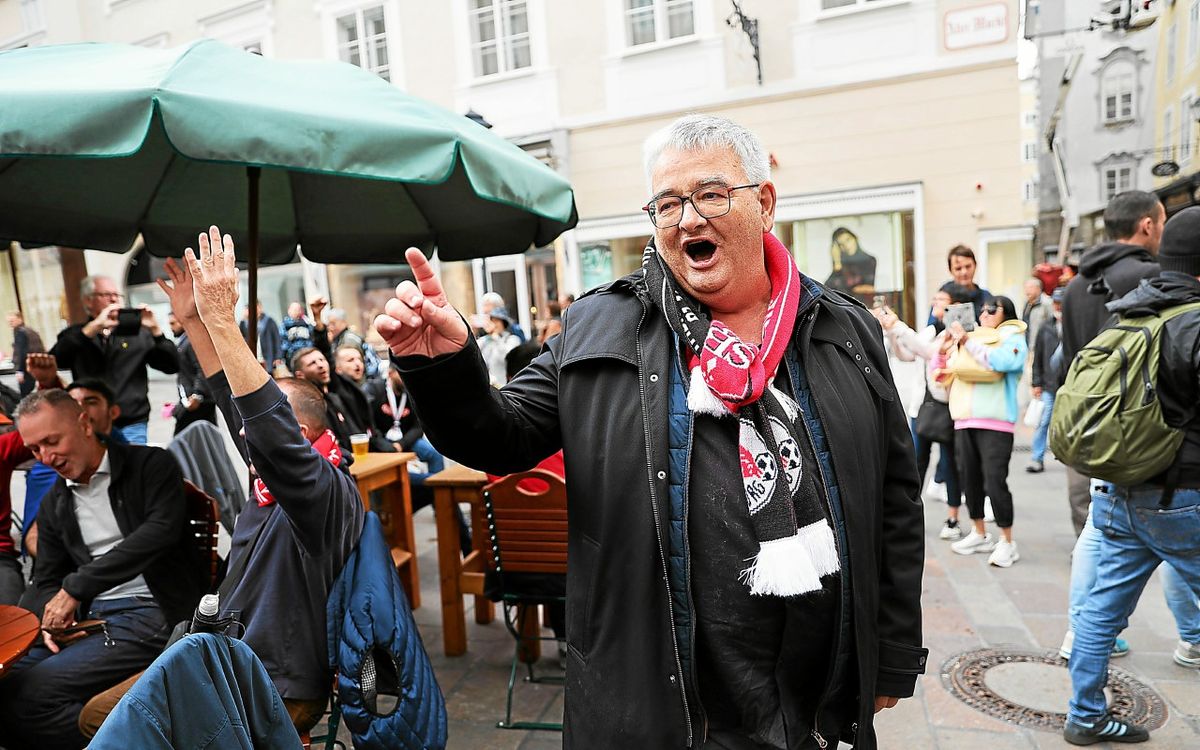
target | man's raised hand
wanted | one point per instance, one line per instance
(214, 278)
(419, 319)
(179, 291)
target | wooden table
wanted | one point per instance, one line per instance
(388, 472)
(19, 630)
(460, 575)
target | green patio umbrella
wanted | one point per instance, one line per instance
(101, 142)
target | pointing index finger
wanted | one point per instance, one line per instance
(427, 280)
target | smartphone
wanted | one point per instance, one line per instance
(129, 321)
(963, 313)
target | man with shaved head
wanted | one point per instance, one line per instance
(112, 545)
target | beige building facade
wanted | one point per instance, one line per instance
(896, 124)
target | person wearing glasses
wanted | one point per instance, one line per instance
(745, 535)
(101, 349)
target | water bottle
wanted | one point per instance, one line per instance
(207, 618)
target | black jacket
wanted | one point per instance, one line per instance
(1042, 374)
(146, 490)
(1178, 366)
(191, 380)
(346, 404)
(600, 391)
(121, 362)
(1107, 272)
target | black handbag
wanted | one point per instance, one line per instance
(934, 422)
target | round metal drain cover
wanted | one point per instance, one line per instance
(1031, 689)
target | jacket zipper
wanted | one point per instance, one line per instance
(658, 526)
(837, 632)
(687, 577)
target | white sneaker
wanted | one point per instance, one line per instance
(950, 533)
(1068, 643)
(1004, 555)
(987, 510)
(935, 492)
(974, 542)
(1188, 655)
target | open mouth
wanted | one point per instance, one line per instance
(700, 250)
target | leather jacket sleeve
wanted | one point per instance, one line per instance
(497, 431)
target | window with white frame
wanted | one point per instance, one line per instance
(1171, 43)
(1030, 190)
(1029, 151)
(362, 40)
(1117, 179)
(1187, 128)
(650, 21)
(1193, 31)
(1116, 92)
(499, 36)
(1031, 119)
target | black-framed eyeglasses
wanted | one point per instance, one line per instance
(990, 309)
(710, 201)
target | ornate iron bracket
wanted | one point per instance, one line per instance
(750, 29)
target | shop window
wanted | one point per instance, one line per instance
(867, 255)
(601, 262)
(650, 21)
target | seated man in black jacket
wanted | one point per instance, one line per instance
(113, 545)
(306, 516)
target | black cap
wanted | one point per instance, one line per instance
(1180, 246)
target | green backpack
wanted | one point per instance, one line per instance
(1108, 421)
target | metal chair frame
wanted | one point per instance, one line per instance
(540, 519)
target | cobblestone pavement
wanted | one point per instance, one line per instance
(967, 605)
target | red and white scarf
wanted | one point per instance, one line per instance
(326, 446)
(731, 377)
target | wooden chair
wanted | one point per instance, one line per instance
(527, 561)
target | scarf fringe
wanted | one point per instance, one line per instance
(781, 568)
(701, 399)
(793, 565)
(818, 542)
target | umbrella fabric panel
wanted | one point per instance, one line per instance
(221, 104)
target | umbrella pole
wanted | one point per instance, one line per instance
(252, 176)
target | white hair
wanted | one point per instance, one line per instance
(336, 313)
(699, 131)
(492, 297)
(87, 287)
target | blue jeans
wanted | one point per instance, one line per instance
(1135, 536)
(134, 434)
(1084, 559)
(1043, 427)
(43, 693)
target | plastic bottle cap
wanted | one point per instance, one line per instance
(209, 605)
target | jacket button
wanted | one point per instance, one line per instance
(849, 344)
(672, 679)
(857, 357)
(867, 370)
(653, 377)
(921, 661)
(662, 475)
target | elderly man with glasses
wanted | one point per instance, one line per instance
(746, 540)
(105, 349)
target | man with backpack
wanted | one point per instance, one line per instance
(1133, 223)
(1149, 509)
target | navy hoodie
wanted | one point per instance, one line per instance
(310, 530)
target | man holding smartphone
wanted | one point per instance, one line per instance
(116, 345)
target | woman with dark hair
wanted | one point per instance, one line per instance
(853, 268)
(983, 375)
